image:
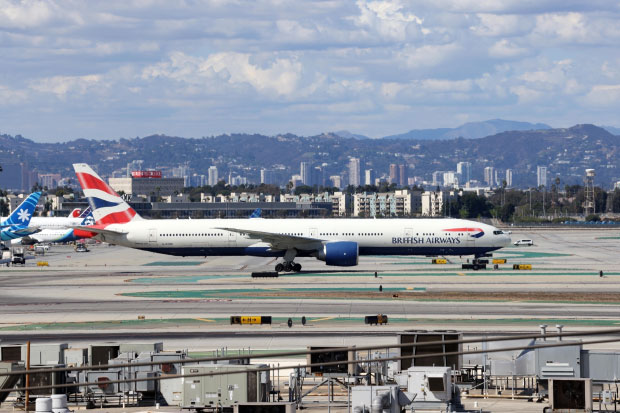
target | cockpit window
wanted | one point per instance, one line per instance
(498, 232)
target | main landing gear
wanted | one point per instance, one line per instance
(288, 265)
(479, 262)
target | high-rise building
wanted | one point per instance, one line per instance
(354, 172)
(393, 173)
(489, 175)
(402, 175)
(509, 178)
(213, 175)
(267, 176)
(305, 173)
(541, 176)
(463, 170)
(369, 177)
(449, 179)
(317, 176)
(336, 181)
(438, 178)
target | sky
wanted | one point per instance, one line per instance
(109, 69)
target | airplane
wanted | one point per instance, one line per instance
(17, 224)
(337, 242)
(58, 229)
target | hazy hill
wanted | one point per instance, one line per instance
(470, 130)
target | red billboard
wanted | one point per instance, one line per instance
(146, 174)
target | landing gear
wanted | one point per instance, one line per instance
(288, 266)
(478, 263)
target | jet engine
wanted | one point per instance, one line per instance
(340, 253)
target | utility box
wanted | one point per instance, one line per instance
(558, 362)
(225, 390)
(570, 395)
(430, 384)
(45, 354)
(76, 357)
(138, 348)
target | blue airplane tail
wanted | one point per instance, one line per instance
(256, 213)
(86, 213)
(22, 214)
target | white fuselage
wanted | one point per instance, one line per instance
(202, 237)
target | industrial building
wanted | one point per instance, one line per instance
(148, 184)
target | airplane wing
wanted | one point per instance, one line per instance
(98, 230)
(27, 230)
(279, 241)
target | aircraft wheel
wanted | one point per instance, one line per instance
(288, 267)
(296, 267)
(279, 267)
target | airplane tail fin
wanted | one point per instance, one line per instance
(75, 213)
(23, 213)
(87, 212)
(256, 213)
(107, 206)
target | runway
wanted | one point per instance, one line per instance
(102, 294)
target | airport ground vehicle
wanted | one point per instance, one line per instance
(19, 256)
(527, 242)
(81, 248)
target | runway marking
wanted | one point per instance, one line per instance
(323, 319)
(460, 273)
(206, 320)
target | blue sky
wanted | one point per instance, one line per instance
(88, 69)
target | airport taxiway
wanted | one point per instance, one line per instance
(104, 292)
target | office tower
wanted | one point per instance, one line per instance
(541, 176)
(213, 175)
(354, 172)
(509, 178)
(305, 173)
(463, 170)
(370, 177)
(402, 175)
(489, 175)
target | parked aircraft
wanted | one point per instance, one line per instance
(58, 229)
(338, 242)
(17, 224)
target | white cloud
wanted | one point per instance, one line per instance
(278, 75)
(604, 95)
(501, 25)
(506, 49)
(61, 86)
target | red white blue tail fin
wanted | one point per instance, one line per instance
(107, 206)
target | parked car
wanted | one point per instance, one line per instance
(527, 242)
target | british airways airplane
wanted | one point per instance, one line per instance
(338, 242)
(17, 224)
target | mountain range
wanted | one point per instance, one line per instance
(566, 152)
